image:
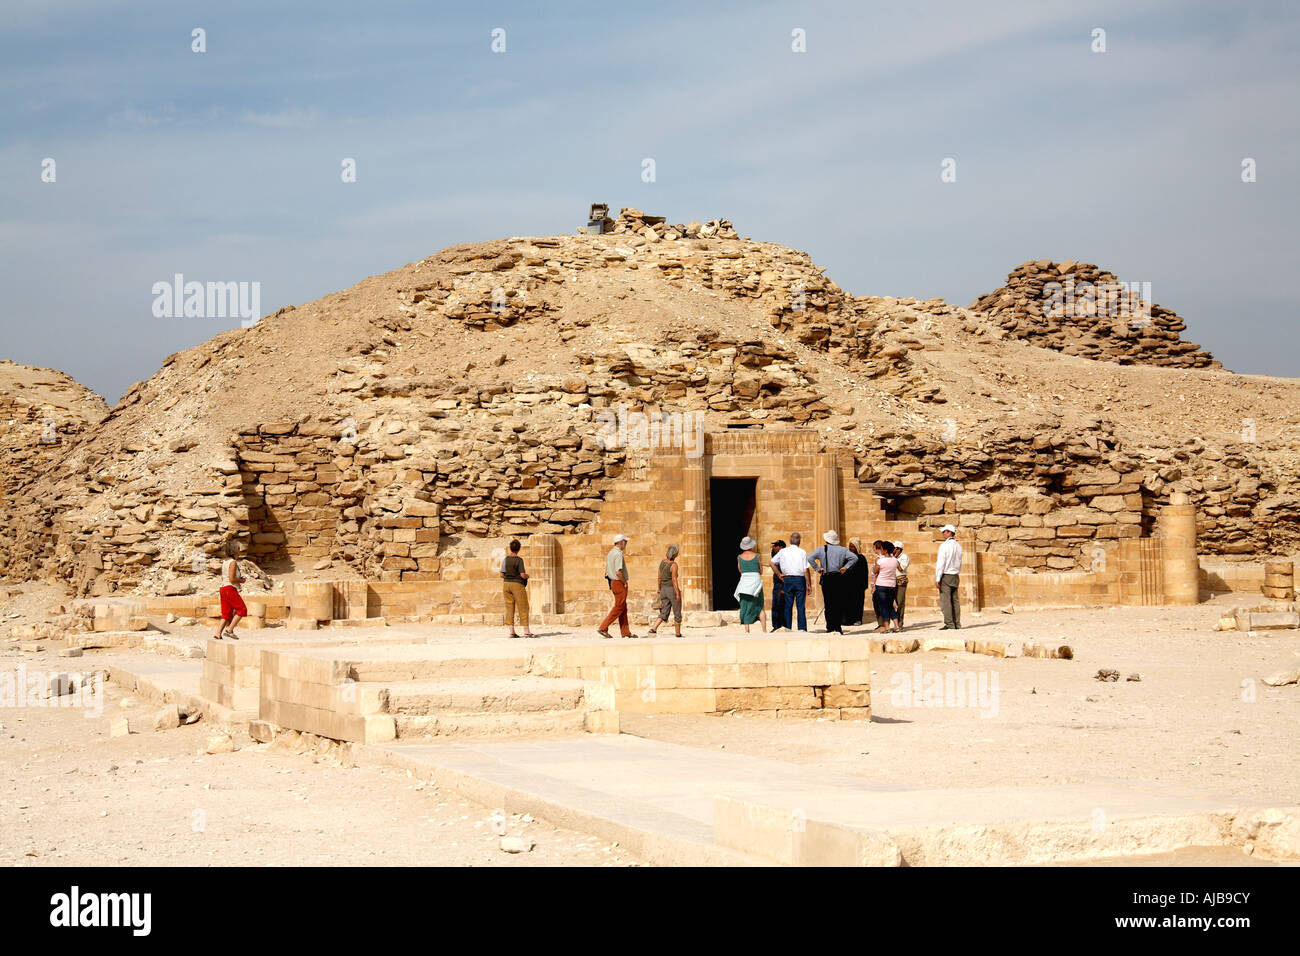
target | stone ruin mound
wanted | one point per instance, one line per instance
(43, 413)
(398, 427)
(1080, 309)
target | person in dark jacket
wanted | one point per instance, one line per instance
(778, 592)
(855, 588)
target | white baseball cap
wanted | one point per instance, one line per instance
(898, 545)
(948, 527)
(620, 538)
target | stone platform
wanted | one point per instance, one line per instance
(371, 686)
(683, 805)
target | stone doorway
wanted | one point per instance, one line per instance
(732, 503)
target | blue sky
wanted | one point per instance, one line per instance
(225, 165)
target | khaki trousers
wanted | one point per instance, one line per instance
(949, 603)
(516, 596)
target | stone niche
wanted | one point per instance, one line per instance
(299, 504)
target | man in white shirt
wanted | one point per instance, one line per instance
(947, 567)
(791, 562)
(904, 562)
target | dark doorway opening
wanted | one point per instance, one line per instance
(731, 515)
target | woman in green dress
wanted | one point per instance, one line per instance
(749, 592)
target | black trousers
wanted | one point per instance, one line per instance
(833, 600)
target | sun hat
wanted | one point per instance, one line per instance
(747, 543)
(830, 537)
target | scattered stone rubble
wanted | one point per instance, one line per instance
(654, 228)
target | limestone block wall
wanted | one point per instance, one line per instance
(816, 677)
(298, 501)
(307, 493)
(1218, 575)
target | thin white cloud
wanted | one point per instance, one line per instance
(143, 119)
(285, 119)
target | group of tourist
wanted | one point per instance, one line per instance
(845, 576)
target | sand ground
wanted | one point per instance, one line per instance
(74, 796)
(1200, 719)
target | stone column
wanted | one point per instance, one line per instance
(311, 600)
(1182, 571)
(826, 498)
(696, 568)
(543, 574)
(1141, 571)
(351, 600)
(971, 592)
(1279, 580)
(826, 514)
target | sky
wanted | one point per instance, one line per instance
(226, 165)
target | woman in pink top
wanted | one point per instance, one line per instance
(884, 586)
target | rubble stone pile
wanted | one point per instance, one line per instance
(655, 228)
(1080, 309)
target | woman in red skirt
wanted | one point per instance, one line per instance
(233, 609)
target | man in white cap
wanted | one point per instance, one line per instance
(616, 575)
(831, 561)
(795, 573)
(904, 562)
(946, 568)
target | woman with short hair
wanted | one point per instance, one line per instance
(514, 588)
(670, 591)
(233, 609)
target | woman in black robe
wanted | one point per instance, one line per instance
(778, 592)
(855, 587)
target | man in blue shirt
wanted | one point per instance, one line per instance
(831, 561)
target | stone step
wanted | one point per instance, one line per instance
(539, 722)
(380, 670)
(480, 695)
